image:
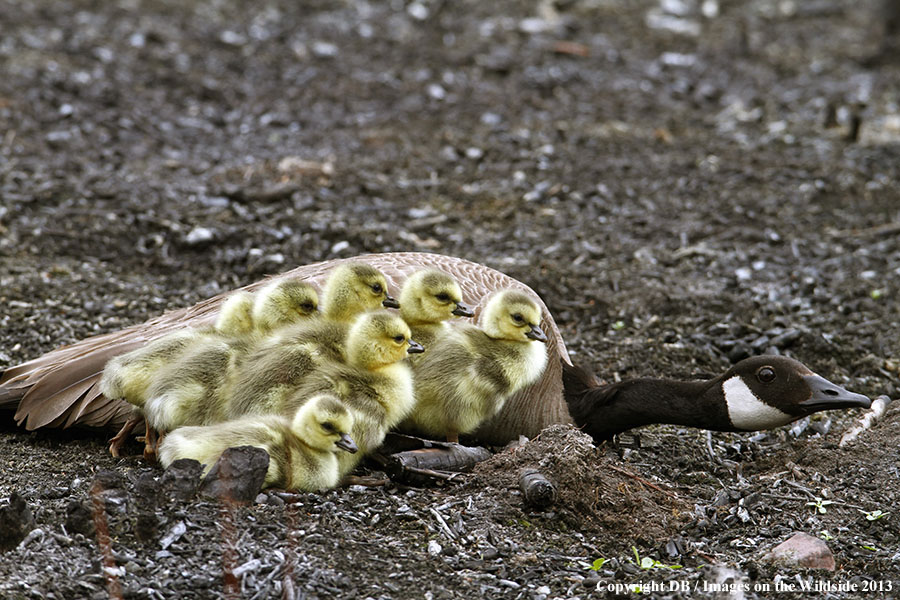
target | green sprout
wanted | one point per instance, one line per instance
(618, 325)
(598, 564)
(820, 504)
(872, 548)
(874, 515)
(825, 535)
(648, 563)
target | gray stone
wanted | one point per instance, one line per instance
(802, 550)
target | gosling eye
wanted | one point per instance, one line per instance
(308, 307)
(399, 338)
(329, 427)
(377, 288)
(443, 297)
(518, 318)
(766, 374)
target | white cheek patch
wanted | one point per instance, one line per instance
(748, 412)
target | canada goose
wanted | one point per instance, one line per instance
(129, 376)
(60, 388)
(374, 382)
(471, 372)
(282, 302)
(428, 299)
(302, 448)
(761, 392)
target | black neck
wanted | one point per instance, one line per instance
(605, 410)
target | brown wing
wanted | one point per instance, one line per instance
(59, 389)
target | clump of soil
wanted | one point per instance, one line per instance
(594, 493)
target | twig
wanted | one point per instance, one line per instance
(643, 481)
(443, 524)
(102, 527)
(879, 407)
(232, 587)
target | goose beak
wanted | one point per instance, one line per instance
(462, 310)
(390, 302)
(536, 333)
(415, 347)
(828, 396)
(346, 443)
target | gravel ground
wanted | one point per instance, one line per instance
(685, 183)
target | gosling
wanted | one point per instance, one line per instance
(278, 364)
(194, 390)
(375, 383)
(429, 298)
(284, 302)
(471, 372)
(129, 376)
(303, 449)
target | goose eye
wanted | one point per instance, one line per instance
(328, 426)
(443, 297)
(308, 307)
(766, 374)
(399, 339)
(518, 318)
(377, 288)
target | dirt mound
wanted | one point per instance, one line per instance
(594, 494)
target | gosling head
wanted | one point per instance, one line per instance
(379, 339)
(236, 315)
(430, 296)
(283, 302)
(352, 288)
(513, 315)
(325, 423)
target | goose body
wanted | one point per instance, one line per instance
(467, 377)
(761, 392)
(374, 383)
(303, 448)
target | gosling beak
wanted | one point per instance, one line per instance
(389, 302)
(462, 310)
(346, 443)
(415, 347)
(536, 333)
(828, 396)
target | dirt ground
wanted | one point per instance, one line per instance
(685, 183)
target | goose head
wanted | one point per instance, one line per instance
(283, 302)
(325, 423)
(762, 392)
(379, 339)
(430, 296)
(512, 315)
(352, 288)
(236, 315)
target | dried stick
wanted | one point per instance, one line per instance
(643, 481)
(102, 528)
(879, 406)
